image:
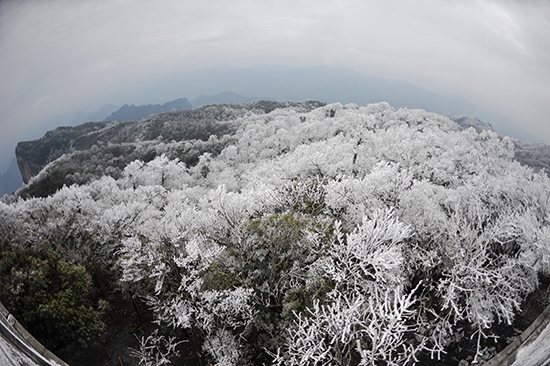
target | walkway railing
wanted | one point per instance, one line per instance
(508, 355)
(23, 341)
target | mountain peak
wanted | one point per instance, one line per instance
(136, 113)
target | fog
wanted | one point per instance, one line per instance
(61, 57)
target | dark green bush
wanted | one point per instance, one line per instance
(50, 297)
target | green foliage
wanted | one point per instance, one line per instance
(264, 253)
(300, 298)
(50, 297)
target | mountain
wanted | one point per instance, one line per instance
(135, 113)
(113, 144)
(78, 154)
(11, 180)
(282, 83)
(305, 218)
(226, 97)
(329, 84)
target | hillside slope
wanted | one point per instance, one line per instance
(118, 143)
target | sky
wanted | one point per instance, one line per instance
(58, 57)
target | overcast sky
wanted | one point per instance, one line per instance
(58, 57)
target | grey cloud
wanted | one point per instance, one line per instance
(62, 56)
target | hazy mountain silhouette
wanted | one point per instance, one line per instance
(97, 115)
(328, 84)
(135, 113)
(226, 97)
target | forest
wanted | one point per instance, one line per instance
(301, 234)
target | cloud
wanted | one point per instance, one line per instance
(62, 55)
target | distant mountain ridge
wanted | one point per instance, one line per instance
(12, 178)
(226, 97)
(32, 157)
(65, 139)
(135, 113)
(330, 84)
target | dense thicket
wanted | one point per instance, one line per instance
(49, 296)
(341, 235)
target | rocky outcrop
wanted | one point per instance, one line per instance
(26, 173)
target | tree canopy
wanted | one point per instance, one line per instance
(342, 235)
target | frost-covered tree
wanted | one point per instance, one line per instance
(366, 318)
(336, 235)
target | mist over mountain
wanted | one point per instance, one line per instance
(329, 84)
(10, 179)
(97, 115)
(108, 146)
(281, 83)
(135, 113)
(111, 145)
